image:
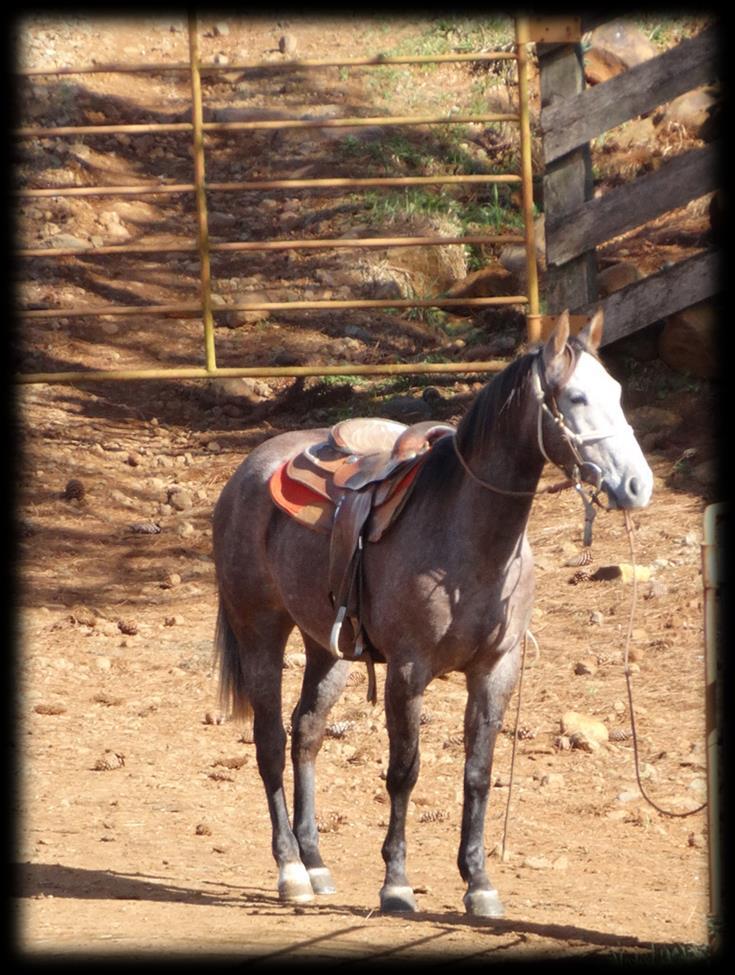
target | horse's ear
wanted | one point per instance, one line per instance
(591, 334)
(557, 340)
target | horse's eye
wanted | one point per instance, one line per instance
(578, 399)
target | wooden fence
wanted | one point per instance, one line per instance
(576, 223)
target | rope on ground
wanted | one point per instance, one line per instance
(629, 684)
(626, 669)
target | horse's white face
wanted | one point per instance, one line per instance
(589, 402)
(590, 405)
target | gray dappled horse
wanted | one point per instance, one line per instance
(448, 588)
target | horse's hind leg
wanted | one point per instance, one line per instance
(253, 659)
(324, 681)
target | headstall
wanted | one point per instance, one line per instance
(592, 472)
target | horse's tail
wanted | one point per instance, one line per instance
(234, 699)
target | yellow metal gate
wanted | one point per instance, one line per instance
(204, 248)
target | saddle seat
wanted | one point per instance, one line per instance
(352, 486)
(362, 452)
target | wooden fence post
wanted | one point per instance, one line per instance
(567, 182)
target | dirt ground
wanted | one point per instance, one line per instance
(141, 822)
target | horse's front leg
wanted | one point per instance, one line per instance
(324, 681)
(404, 689)
(488, 694)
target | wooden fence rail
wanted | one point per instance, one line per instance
(571, 122)
(630, 206)
(576, 223)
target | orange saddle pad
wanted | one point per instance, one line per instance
(300, 501)
(317, 512)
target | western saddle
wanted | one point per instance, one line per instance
(353, 486)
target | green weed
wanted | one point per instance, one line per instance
(447, 34)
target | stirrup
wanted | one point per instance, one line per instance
(335, 635)
(335, 632)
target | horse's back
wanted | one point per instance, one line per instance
(244, 510)
(249, 482)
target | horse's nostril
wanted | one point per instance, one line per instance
(634, 486)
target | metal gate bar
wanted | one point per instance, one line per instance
(320, 243)
(533, 322)
(379, 59)
(226, 372)
(146, 128)
(194, 308)
(197, 127)
(266, 184)
(200, 194)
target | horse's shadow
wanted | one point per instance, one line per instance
(39, 879)
(56, 880)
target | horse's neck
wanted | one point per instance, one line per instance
(510, 461)
(510, 458)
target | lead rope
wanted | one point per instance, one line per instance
(629, 685)
(515, 741)
(626, 669)
(526, 635)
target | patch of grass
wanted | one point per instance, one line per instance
(401, 205)
(489, 208)
(494, 209)
(438, 36)
(433, 317)
(447, 34)
(340, 380)
(395, 153)
(666, 31)
(392, 386)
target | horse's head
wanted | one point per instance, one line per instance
(582, 424)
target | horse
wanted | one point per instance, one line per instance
(447, 589)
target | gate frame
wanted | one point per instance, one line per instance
(523, 36)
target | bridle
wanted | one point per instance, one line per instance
(548, 406)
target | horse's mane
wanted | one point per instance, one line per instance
(496, 403)
(493, 410)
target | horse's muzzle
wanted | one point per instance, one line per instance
(633, 492)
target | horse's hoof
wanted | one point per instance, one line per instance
(395, 899)
(483, 903)
(294, 885)
(321, 880)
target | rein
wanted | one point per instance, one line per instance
(573, 440)
(551, 489)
